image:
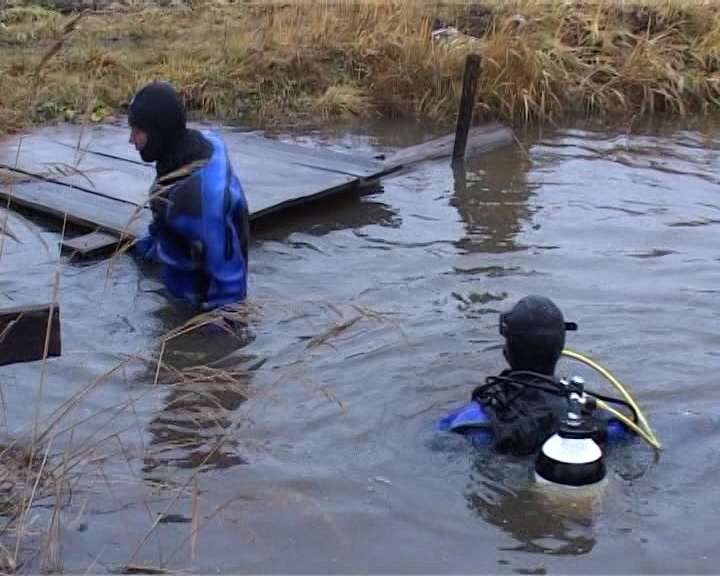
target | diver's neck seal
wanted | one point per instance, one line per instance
(571, 457)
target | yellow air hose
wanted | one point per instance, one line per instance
(646, 432)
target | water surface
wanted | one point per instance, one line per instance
(330, 466)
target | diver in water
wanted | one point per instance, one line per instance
(518, 410)
(200, 229)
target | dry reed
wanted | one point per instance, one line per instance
(266, 63)
(197, 411)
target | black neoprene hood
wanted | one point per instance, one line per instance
(534, 316)
(158, 110)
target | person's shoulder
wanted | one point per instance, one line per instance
(211, 136)
(201, 141)
(470, 414)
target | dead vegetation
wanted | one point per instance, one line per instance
(198, 428)
(282, 62)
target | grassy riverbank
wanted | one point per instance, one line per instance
(282, 63)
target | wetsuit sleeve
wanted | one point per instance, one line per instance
(146, 246)
(241, 219)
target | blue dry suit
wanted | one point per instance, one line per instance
(200, 231)
(475, 422)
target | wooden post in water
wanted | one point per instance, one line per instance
(467, 104)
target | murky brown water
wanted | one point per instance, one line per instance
(331, 465)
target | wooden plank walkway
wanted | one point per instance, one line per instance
(101, 161)
(92, 176)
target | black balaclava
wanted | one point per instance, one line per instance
(158, 110)
(534, 331)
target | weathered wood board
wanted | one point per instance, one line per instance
(95, 179)
(480, 140)
(39, 156)
(112, 140)
(106, 164)
(92, 176)
(91, 245)
(79, 207)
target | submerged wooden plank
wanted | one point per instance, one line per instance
(98, 243)
(37, 155)
(270, 181)
(480, 139)
(348, 163)
(109, 219)
(115, 220)
(276, 176)
(90, 245)
(112, 140)
(23, 331)
(10, 178)
(78, 207)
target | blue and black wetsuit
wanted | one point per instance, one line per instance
(199, 234)
(201, 226)
(515, 412)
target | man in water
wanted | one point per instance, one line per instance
(525, 405)
(200, 229)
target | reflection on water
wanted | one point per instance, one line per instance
(500, 491)
(491, 195)
(341, 214)
(194, 429)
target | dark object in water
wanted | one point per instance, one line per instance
(23, 331)
(132, 569)
(467, 104)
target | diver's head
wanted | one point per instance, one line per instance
(157, 119)
(534, 331)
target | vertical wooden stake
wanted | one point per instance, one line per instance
(467, 103)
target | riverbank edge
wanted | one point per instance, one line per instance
(295, 65)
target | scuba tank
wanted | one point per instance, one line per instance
(572, 456)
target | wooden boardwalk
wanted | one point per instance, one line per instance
(94, 178)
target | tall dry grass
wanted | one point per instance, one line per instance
(48, 469)
(293, 61)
